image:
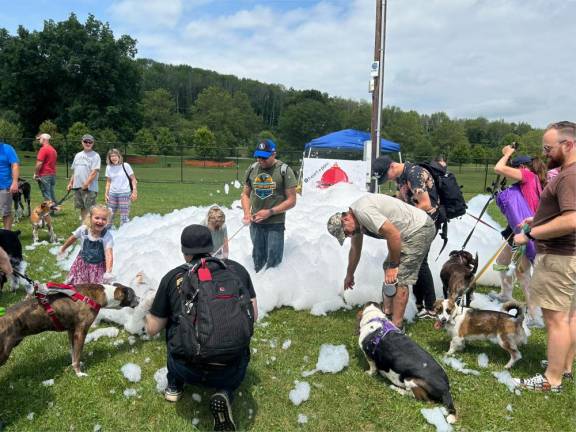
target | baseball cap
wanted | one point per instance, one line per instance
(520, 160)
(196, 239)
(265, 149)
(335, 227)
(44, 136)
(87, 137)
(380, 168)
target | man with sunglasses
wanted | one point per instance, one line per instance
(269, 191)
(553, 284)
(84, 180)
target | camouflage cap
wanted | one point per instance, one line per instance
(334, 226)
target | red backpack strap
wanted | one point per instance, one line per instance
(204, 272)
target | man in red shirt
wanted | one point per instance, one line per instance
(45, 170)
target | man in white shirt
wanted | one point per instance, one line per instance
(408, 232)
(84, 181)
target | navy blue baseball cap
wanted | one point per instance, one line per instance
(520, 160)
(265, 149)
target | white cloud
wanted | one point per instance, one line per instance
(508, 59)
(148, 13)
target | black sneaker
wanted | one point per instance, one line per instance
(172, 394)
(222, 411)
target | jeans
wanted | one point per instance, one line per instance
(46, 184)
(267, 244)
(225, 378)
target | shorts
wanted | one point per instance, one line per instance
(553, 284)
(412, 252)
(6, 202)
(83, 200)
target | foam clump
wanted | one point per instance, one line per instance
(482, 360)
(435, 416)
(300, 393)
(302, 419)
(459, 365)
(332, 358)
(110, 332)
(48, 383)
(505, 378)
(131, 372)
(161, 378)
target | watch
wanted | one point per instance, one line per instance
(527, 234)
(393, 264)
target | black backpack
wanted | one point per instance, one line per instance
(452, 201)
(216, 321)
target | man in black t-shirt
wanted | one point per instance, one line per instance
(196, 242)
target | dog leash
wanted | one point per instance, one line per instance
(488, 264)
(67, 196)
(230, 239)
(482, 222)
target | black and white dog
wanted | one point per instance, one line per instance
(22, 194)
(10, 243)
(402, 361)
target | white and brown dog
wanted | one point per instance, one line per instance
(466, 324)
(410, 368)
(40, 218)
(28, 317)
(457, 275)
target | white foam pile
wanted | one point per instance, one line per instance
(110, 332)
(302, 419)
(131, 372)
(482, 360)
(300, 393)
(312, 273)
(459, 365)
(332, 359)
(435, 416)
(505, 378)
(130, 392)
(286, 344)
(160, 376)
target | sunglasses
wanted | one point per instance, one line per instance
(88, 142)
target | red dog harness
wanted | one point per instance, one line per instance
(42, 293)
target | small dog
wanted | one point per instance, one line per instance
(23, 193)
(401, 360)
(457, 274)
(28, 317)
(40, 218)
(10, 243)
(499, 327)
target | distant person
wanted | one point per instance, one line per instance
(553, 284)
(45, 169)
(408, 232)
(166, 311)
(84, 180)
(269, 192)
(9, 173)
(95, 261)
(121, 185)
(441, 160)
(216, 223)
(416, 187)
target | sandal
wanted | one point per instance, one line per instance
(538, 383)
(568, 376)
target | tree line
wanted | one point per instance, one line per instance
(72, 78)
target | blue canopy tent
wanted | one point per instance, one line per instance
(349, 139)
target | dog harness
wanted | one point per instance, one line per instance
(387, 327)
(43, 291)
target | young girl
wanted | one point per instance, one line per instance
(120, 185)
(216, 223)
(94, 262)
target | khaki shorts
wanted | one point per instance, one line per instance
(5, 202)
(83, 200)
(553, 284)
(412, 253)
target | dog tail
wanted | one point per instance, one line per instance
(517, 306)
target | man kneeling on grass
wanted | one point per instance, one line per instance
(208, 307)
(408, 232)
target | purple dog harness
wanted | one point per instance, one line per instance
(387, 327)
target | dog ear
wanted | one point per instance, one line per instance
(454, 252)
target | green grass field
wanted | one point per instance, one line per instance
(347, 401)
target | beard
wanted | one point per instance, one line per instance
(555, 162)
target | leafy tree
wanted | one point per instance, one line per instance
(531, 142)
(423, 151)
(205, 143)
(75, 133)
(478, 154)
(448, 135)
(10, 133)
(406, 129)
(165, 141)
(509, 139)
(460, 153)
(106, 138)
(158, 109)
(477, 130)
(144, 142)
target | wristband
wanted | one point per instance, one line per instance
(393, 264)
(528, 235)
(271, 211)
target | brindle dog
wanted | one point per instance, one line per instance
(457, 274)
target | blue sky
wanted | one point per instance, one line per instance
(509, 59)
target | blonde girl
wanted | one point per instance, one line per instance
(94, 262)
(121, 185)
(216, 223)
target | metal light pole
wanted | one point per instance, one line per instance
(378, 82)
